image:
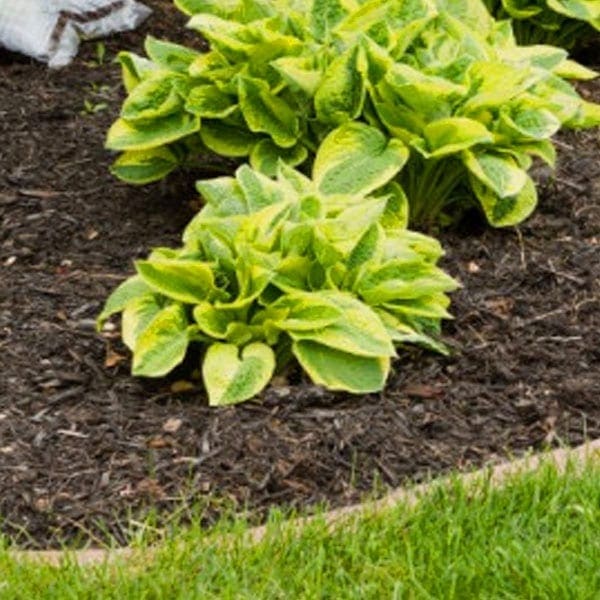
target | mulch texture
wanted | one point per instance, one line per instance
(84, 446)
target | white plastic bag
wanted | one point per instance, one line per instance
(49, 30)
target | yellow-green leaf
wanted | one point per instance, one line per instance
(137, 315)
(357, 159)
(129, 290)
(507, 211)
(265, 112)
(162, 345)
(341, 94)
(188, 281)
(230, 379)
(451, 135)
(125, 136)
(499, 172)
(208, 101)
(227, 140)
(265, 156)
(337, 370)
(360, 333)
(144, 166)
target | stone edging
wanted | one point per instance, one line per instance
(496, 475)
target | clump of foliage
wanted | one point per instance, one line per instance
(321, 269)
(564, 23)
(442, 76)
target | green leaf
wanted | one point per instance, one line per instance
(230, 379)
(209, 102)
(264, 112)
(227, 140)
(169, 55)
(265, 156)
(529, 124)
(163, 343)
(129, 290)
(341, 95)
(213, 321)
(368, 248)
(337, 370)
(357, 159)
(258, 189)
(499, 172)
(507, 211)
(360, 332)
(137, 315)
(224, 194)
(298, 72)
(402, 279)
(135, 69)
(450, 135)
(306, 311)
(324, 16)
(187, 281)
(125, 136)
(140, 167)
(153, 99)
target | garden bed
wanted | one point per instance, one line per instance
(84, 446)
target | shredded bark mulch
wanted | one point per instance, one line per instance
(84, 447)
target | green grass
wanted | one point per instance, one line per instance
(538, 536)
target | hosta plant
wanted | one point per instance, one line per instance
(322, 270)
(442, 76)
(564, 23)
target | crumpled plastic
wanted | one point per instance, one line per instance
(50, 30)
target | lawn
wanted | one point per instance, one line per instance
(537, 535)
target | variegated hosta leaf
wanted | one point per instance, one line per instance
(162, 345)
(153, 99)
(499, 172)
(307, 311)
(135, 69)
(226, 139)
(144, 166)
(569, 69)
(338, 370)
(299, 72)
(264, 112)
(259, 191)
(186, 281)
(209, 102)
(168, 55)
(131, 289)
(585, 10)
(451, 135)
(125, 136)
(325, 15)
(529, 124)
(507, 211)
(265, 156)
(240, 10)
(230, 378)
(357, 159)
(360, 333)
(402, 280)
(137, 315)
(213, 321)
(341, 94)
(224, 195)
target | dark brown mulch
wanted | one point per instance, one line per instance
(83, 446)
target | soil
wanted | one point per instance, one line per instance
(84, 447)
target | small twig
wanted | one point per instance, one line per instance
(541, 317)
(521, 249)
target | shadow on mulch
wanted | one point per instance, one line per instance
(84, 446)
